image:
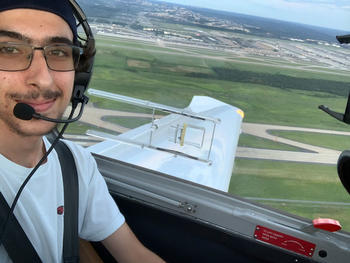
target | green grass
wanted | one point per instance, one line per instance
(272, 178)
(310, 211)
(128, 122)
(80, 128)
(76, 128)
(260, 103)
(247, 140)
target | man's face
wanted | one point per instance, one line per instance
(47, 91)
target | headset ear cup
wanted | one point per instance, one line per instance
(83, 72)
(343, 167)
(87, 58)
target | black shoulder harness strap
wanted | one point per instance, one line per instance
(16, 242)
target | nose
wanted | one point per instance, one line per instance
(38, 73)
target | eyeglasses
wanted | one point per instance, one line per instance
(19, 56)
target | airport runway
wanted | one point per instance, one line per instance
(308, 153)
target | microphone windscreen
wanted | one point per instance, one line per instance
(23, 111)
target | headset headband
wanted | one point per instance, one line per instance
(84, 72)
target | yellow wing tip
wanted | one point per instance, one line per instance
(240, 112)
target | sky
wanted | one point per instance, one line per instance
(325, 13)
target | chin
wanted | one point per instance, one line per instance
(34, 128)
(44, 128)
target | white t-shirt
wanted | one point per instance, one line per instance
(39, 207)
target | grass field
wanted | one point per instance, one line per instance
(246, 140)
(128, 122)
(267, 91)
(153, 73)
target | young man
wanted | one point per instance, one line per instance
(36, 68)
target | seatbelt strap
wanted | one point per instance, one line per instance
(71, 203)
(15, 240)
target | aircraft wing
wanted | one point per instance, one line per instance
(197, 143)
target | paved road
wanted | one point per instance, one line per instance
(308, 153)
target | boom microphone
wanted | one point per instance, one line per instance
(23, 111)
(26, 112)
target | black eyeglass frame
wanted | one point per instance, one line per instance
(76, 53)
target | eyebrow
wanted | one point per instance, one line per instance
(21, 37)
(62, 40)
(12, 34)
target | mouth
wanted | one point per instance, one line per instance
(40, 106)
(41, 100)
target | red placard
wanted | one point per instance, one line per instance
(279, 239)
